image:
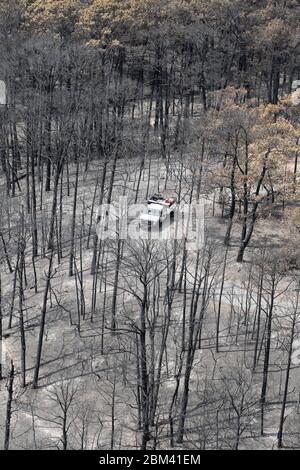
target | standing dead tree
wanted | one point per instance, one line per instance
(146, 260)
(42, 322)
(64, 396)
(10, 391)
(202, 284)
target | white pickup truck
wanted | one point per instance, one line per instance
(159, 208)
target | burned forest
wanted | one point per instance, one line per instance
(149, 225)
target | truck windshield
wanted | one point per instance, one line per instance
(152, 211)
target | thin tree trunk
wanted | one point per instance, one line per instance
(42, 324)
(9, 405)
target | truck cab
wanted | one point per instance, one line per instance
(158, 209)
